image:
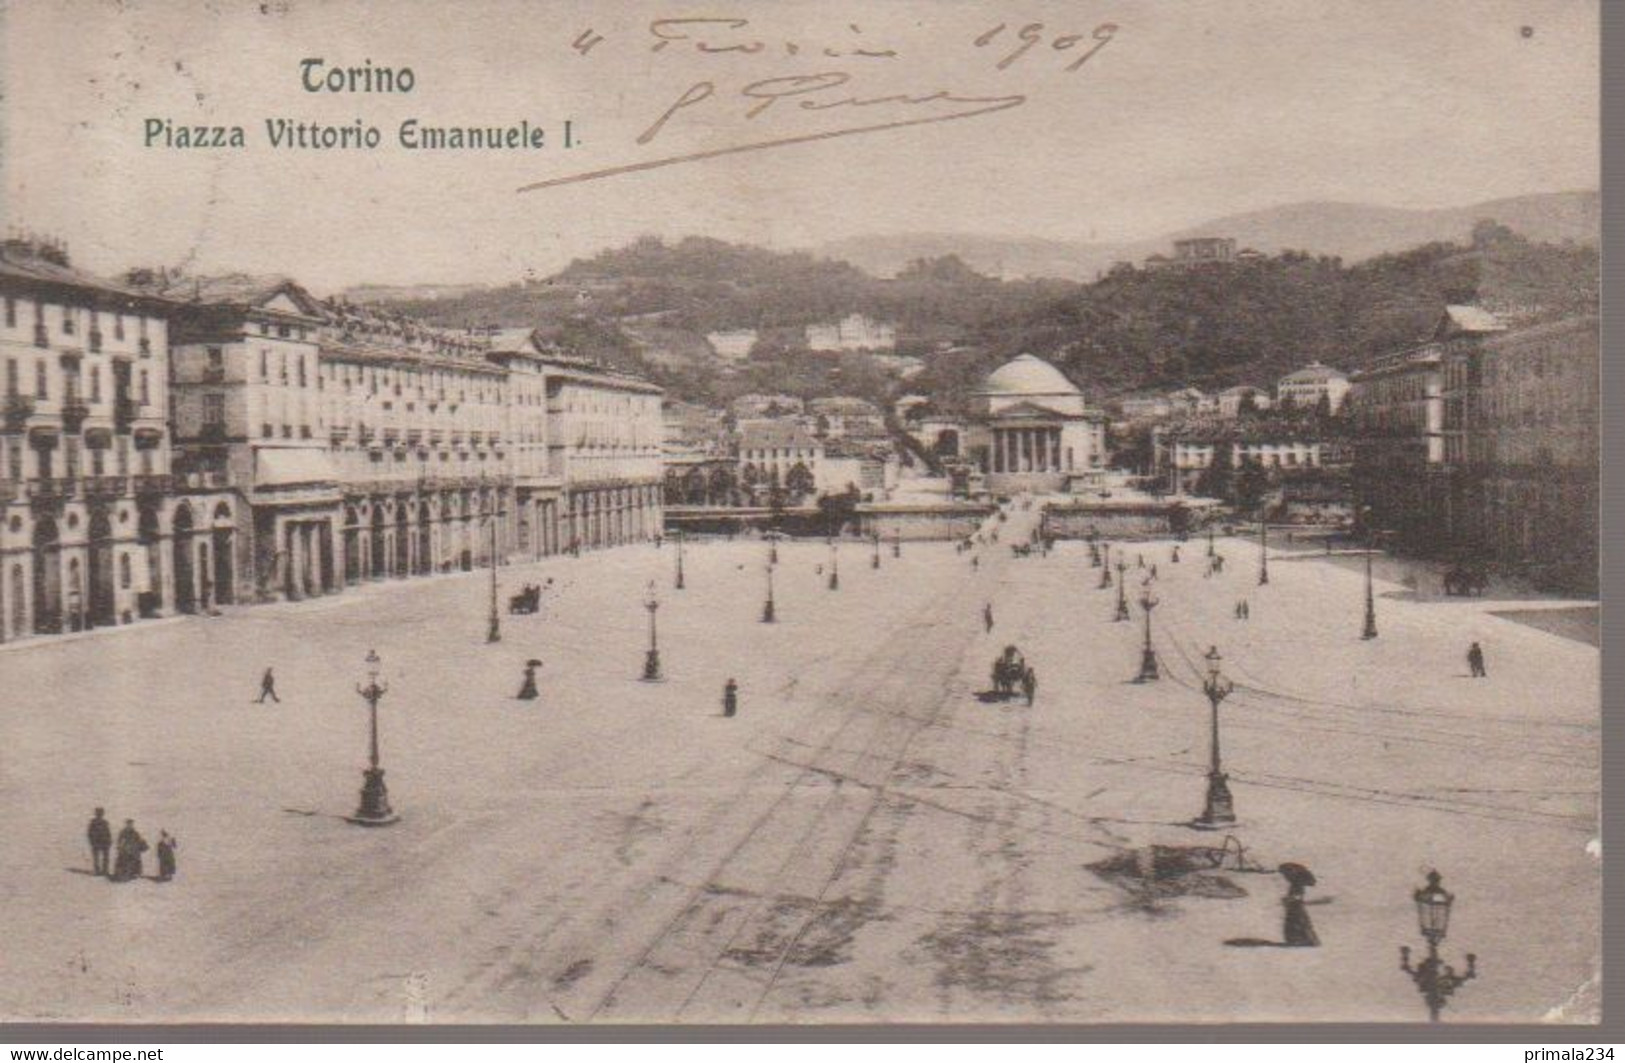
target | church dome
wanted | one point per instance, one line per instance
(1028, 375)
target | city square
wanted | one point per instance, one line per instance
(867, 838)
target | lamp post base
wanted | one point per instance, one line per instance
(1220, 811)
(1149, 673)
(494, 633)
(1370, 630)
(374, 810)
(1122, 612)
(651, 667)
(875, 561)
(767, 613)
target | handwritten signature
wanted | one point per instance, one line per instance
(814, 93)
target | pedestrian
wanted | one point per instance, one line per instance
(166, 855)
(976, 561)
(1029, 684)
(1246, 609)
(987, 616)
(267, 688)
(527, 689)
(1174, 557)
(1153, 571)
(100, 836)
(730, 698)
(1140, 560)
(1297, 930)
(127, 865)
(1475, 661)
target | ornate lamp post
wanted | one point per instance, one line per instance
(897, 542)
(767, 607)
(1148, 656)
(874, 562)
(1220, 809)
(1263, 552)
(1105, 566)
(1094, 554)
(1210, 550)
(1370, 629)
(773, 548)
(374, 810)
(1122, 594)
(493, 632)
(651, 660)
(680, 583)
(1435, 979)
(834, 565)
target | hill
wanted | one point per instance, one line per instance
(1351, 231)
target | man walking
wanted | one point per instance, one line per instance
(267, 689)
(100, 836)
(1029, 684)
(987, 616)
(1475, 662)
(730, 698)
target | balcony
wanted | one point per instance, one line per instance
(74, 413)
(476, 437)
(203, 479)
(18, 409)
(214, 374)
(212, 433)
(144, 345)
(365, 435)
(414, 436)
(149, 484)
(41, 337)
(106, 487)
(338, 434)
(95, 341)
(436, 437)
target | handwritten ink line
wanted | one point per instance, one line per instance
(1000, 104)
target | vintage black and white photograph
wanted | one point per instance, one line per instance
(800, 513)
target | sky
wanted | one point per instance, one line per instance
(1187, 111)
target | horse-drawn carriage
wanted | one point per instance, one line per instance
(1463, 580)
(1008, 669)
(528, 600)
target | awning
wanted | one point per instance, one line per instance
(282, 468)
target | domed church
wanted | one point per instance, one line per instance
(1034, 431)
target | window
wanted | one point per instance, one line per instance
(301, 372)
(217, 358)
(67, 320)
(11, 312)
(14, 461)
(124, 571)
(42, 388)
(118, 326)
(265, 364)
(122, 456)
(97, 463)
(95, 383)
(214, 411)
(146, 395)
(265, 431)
(11, 376)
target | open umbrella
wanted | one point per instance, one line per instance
(1297, 875)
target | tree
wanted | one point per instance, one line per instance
(1249, 485)
(1215, 479)
(1248, 406)
(799, 481)
(838, 510)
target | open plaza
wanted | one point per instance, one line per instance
(871, 837)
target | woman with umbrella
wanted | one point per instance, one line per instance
(527, 692)
(1297, 931)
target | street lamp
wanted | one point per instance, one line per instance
(1210, 550)
(1370, 630)
(1105, 566)
(1122, 595)
(1148, 656)
(874, 562)
(897, 542)
(834, 565)
(1263, 552)
(680, 584)
(1094, 554)
(1220, 809)
(494, 632)
(651, 660)
(767, 607)
(1435, 979)
(374, 810)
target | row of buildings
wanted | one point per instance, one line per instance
(1483, 443)
(172, 444)
(1311, 387)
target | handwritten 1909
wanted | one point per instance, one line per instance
(816, 92)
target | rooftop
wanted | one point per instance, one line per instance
(1028, 374)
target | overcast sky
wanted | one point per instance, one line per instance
(1193, 110)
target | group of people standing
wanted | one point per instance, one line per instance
(126, 851)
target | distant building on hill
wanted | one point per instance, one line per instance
(732, 344)
(855, 332)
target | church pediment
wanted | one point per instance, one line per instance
(1028, 410)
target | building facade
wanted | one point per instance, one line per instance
(1307, 387)
(94, 531)
(1484, 443)
(1035, 432)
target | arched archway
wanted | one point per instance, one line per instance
(19, 600)
(403, 540)
(380, 559)
(181, 552)
(222, 534)
(75, 596)
(102, 611)
(47, 577)
(425, 539)
(352, 545)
